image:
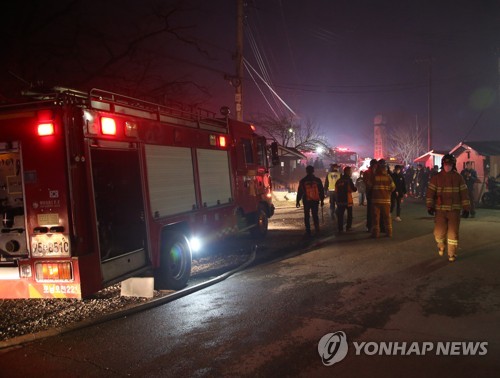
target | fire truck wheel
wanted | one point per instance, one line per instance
(260, 223)
(175, 263)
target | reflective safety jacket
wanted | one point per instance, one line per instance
(447, 191)
(381, 186)
(330, 180)
(310, 189)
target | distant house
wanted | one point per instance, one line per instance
(431, 158)
(484, 157)
(286, 175)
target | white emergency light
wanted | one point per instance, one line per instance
(195, 244)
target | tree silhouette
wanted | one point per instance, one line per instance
(290, 132)
(124, 46)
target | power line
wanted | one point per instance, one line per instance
(246, 63)
(262, 92)
(473, 125)
(261, 59)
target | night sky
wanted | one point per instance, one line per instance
(338, 63)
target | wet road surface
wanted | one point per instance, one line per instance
(268, 320)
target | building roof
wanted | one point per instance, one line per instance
(291, 152)
(428, 154)
(484, 148)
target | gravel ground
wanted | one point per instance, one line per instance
(27, 316)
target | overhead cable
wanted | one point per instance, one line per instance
(246, 63)
(261, 92)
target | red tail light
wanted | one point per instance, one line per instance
(53, 271)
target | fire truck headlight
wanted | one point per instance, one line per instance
(195, 244)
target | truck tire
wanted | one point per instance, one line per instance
(260, 222)
(175, 261)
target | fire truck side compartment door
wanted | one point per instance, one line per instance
(213, 167)
(120, 211)
(170, 180)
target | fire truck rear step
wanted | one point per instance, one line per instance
(123, 265)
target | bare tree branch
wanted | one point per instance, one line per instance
(289, 132)
(406, 142)
(92, 52)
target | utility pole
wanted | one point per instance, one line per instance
(498, 75)
(428, 61)
(238, 96)
(429, 105)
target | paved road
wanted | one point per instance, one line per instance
(268, 320)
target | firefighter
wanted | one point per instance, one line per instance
(344, 188)
(330, 180)
(399, 193)
(368, 176)
(312, 194)
(381, 187)
(446, 196)
(470, 177)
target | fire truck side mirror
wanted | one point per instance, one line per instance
(275, 159)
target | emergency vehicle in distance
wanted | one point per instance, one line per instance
(344, 157)
(96, 187)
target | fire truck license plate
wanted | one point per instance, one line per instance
(50, 245)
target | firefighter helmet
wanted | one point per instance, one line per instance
(448, 159)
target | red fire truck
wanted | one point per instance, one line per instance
(96, 187)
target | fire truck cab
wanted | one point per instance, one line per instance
(97, 187)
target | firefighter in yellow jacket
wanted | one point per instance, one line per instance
(330, 180)
(381, 187)
(446, 196)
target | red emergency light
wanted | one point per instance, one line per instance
(45, 120)
(45, 128)
(108, 126)
(222, 141)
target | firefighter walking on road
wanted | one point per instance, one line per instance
(312, 194)
(330, 180)
(381, 186)
(344, 188)
(446, 196)
(368, 176)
